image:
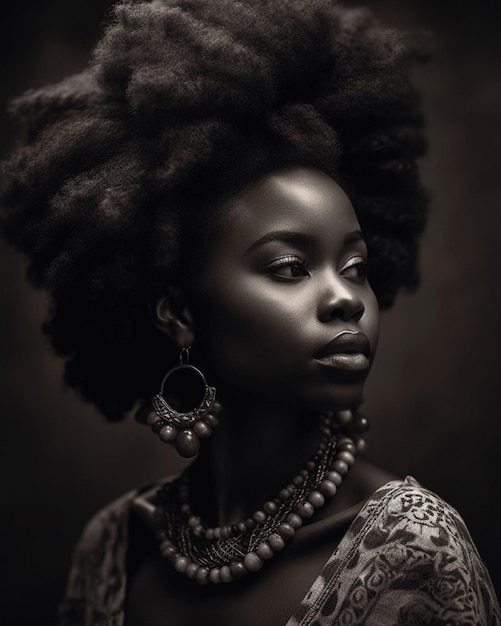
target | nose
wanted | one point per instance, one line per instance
(339, 299)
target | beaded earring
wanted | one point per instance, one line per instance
(195, 411)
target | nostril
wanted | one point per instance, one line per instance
(339, 299)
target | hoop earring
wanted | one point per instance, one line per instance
(184, 428)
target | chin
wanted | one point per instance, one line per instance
(348, 396)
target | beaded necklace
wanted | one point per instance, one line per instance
(226, 553)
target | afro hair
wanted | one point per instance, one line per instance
(185, 95)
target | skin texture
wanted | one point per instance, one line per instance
(263, 308)
(286, 276)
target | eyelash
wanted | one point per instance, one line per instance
(359, 263)
(287, 261)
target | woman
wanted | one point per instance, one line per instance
(232, 187)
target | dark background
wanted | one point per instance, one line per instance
(433, 395)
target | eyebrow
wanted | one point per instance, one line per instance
(281, 235)
(299, 238)
(353, 237)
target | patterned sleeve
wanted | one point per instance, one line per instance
(95, 590)
(407, 560)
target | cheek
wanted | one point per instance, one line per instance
(252, 329)
(370, 321)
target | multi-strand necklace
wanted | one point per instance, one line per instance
(226, 553)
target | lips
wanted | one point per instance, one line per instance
(349, 351)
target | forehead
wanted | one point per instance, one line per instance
(296, 199)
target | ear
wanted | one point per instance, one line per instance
(172, 316)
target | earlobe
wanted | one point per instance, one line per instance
(172, 316)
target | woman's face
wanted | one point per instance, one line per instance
(285, 312)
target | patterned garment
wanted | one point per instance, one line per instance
(406, 560)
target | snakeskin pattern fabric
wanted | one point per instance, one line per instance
(406, 560)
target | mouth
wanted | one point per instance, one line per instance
(348, 351)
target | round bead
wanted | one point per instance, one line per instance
(304, 473)
(217, 533)
(198, 531)
(202, 430)
(361, 445)
(344, 417)
(270, 507)
(286, 531)
(259, 516)
(152, 417)
(214, 575)
(253, 562)
(225, 532)
(361, 424)
(166, 548)
(193, 521)
(310, 466)
(209, 534)
(294, 520)
(242, 527)
(238, 569)
(225, 574)
(217, 407)
(327, 488)
(191, 570)
(157, 426)
(298, 481)
(202, 575)
(264, 551)
(347, 457)
(168, 433)
(181, 563)
(211, 420)
(316, 499)
(334, 477)
(284, 495)
(348, 446)
(171, 553)
(187, 443)
(305, 509)
(340, 467)
(276, 542)
(250, 523)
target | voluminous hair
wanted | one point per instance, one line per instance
(183, 103)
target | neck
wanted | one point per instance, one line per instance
(255, 451)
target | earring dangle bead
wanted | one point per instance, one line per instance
(184, 428)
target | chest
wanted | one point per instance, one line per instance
(159, 596)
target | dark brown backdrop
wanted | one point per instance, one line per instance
(433, 395)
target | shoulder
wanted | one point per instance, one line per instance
(97, 576)
(407, 558)
(404, 507)
(107, 527)
(416, 531)
(414, 540)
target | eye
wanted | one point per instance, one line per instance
(355, 268)
(288, 268)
